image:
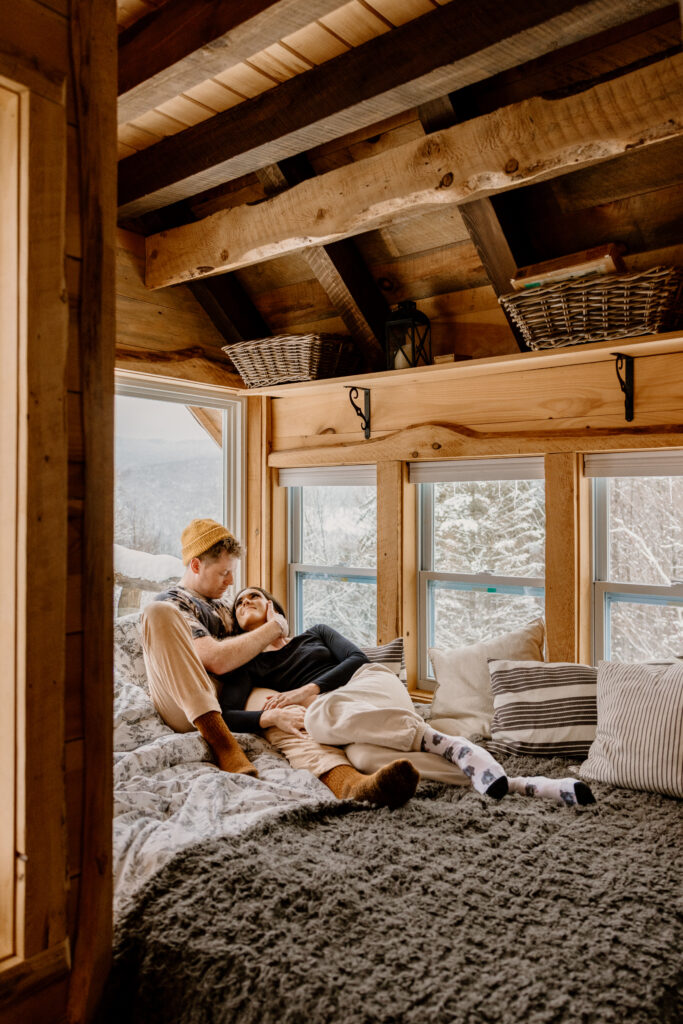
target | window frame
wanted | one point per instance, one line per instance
(603, 588)
(297, 570)
(425, 475)
(130, 384)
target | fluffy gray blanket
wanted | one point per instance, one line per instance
(452, 910)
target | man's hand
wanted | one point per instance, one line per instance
(303, 695)
(290, 719)
(273, 616)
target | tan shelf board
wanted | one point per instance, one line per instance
(652, 344)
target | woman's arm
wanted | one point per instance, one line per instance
(221, 656)
(349, 659)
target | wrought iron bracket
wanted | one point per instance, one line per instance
(626, 382)
(364, 414)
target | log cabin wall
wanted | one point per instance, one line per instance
(62, 53)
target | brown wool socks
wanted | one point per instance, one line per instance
(391, 786)
(229, 755)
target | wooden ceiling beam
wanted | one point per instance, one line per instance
(519, 145)
(480, 219)
(183, 43)
(340, 270)
(429, 57)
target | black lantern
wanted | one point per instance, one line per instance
(408, 337)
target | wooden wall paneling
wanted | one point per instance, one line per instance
(37, 988)
(10, 379)
(389, 551)
(637, 110)
(278, 539)
(42, 532)
(409, 584)
(93, 48)
(554, 397)
(433, 55)
(257, 533)
(567, 559)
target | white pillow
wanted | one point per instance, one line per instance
(463, 685)
(639, 739)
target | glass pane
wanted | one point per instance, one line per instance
(168, 470)
(349, 605)
(339, 526)
(495, 526)
(465, 613)
(644, 629)
(645, 529)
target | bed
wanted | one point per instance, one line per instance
(267, 900)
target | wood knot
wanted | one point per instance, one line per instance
(447, 180)
(436, 446)
(224, 255)
(414, 455)
(511, 166)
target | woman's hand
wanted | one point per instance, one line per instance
(303, 695)
(290, 719)
(273, 616)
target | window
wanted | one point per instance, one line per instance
(333, 549)
(482, 550)
(177, 458)
(638, 555)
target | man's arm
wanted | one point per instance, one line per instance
(220, 656)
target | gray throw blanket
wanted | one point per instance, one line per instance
(451, 910)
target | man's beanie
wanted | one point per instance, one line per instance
(200, 535)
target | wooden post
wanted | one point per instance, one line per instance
(567, 558)
(389, 551)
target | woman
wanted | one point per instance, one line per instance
(320, 687)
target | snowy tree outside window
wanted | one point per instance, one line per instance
(639, 570)
(486, 556)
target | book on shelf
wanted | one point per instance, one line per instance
(602, 259)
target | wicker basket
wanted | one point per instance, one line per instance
(287, 358)
(600, 308)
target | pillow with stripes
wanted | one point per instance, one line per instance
(546, 709)
(391, 655)
(639, 740)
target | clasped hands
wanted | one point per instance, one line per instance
(286, 710)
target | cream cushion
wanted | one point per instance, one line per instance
(463, 684)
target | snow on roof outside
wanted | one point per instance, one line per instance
(142, 565)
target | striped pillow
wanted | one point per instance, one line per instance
(391, 655)
(543, 709)
(639, 741)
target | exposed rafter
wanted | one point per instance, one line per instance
(429, 57)
(184, 42)
(479, 218)
(518, 145)
(340, 269)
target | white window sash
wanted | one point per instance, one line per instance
(328, 476)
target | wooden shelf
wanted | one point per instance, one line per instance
(653, 344)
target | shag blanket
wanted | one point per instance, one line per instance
(451, 910)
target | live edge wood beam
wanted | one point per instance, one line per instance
(433, 55)
(184, 42)
(517, 145)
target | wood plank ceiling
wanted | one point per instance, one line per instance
(240, 106)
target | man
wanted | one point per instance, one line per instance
(185, 634)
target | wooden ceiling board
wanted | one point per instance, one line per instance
(245, 80)
(354, 23)
(185, 110)
(398, 12)
(280, 63)
(214, 94)
(316, 43)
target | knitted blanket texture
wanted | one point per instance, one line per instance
(454, 909)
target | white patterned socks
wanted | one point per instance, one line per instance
(562, 791)
(483, 771)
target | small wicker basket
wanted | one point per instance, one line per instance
(600, 308)
(287, 358)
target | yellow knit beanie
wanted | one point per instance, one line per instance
(200, 535)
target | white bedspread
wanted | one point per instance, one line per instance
(168, 793)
